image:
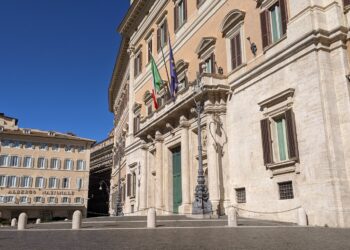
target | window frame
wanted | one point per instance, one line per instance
(178, 24)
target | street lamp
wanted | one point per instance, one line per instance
(201, 203)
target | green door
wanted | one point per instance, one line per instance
(177, 188)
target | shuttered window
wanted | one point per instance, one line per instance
(279, 139)
(180, 14)
(162, 35)
(128, 183)
(346, 3)
(136, 124)
(208, 66)
(236, 51)
(274, 23)
(138, 64)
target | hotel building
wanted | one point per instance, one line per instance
(274, 78)
(42, 173)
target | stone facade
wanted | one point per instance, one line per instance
(276, 118)
(42, 173)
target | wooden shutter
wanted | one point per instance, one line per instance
(165, 31)
(128, 185)
(236, 51)
(201, 67)
(266, 141)
(140, 62)
(264, 20)
(176, 17)
(158, 39)
(346, 2)
(213, 68)
(284, 15)
(135, 66)
(291, 135)
(239, 49)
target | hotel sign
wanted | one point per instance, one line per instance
(68, 193)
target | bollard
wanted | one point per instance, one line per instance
(13, 222)
(232, 217)
(76, 221)
(38, 221)
(151, 218)
(302, 217)
(22, 221)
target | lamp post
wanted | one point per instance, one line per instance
(201, 203)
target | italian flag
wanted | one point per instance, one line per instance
(157, 82)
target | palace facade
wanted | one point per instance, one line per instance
(42, 173)
(274, 84)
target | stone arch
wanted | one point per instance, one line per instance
(233, 18)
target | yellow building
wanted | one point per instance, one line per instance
(42, 173)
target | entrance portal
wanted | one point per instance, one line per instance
(177, 185)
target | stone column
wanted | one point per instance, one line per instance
(130, 136)
(185, 166)
(159, 169)
(143, 184)
(213, 171)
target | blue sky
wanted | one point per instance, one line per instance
(56, 61)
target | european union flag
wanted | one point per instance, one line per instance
(174, 83)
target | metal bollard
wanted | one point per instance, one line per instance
(76, 221)
(38, 221)
(151, 218)
(22, 221)
(13, 222)
(232, 217)
(302, 217)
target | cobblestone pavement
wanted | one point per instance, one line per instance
(173, 233)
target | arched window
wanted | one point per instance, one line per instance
(232, 30)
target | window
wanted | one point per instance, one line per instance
(180, 14)
(14, 161)
(39, 182)
(279, 138)
(51, 200)
(28, 145)
(26, 131)
(286, 190)
(3, 181)
(43, 146)
(26, 182)
(236, 51)
(42, 162)
(23, 199)
(80, 165)
(28, 162)
(2, 199)
(138, 63)
(4, 160)
(38, 199)
(68, 148)
(149, 49)
(78, 200)
(208, 65)
(55, 163)
(10, 199)
(55, 147)
(274, 23)
(15, 144)
(5, 143)
(68, 164)
(65, 200)
(79, 183)
(137, 119)
(65, 182)
(131, 182)
(11, 181)
(162, 35)
(81, 149)
(240, 195)
(53, 182)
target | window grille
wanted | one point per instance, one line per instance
(240, 195)
(286, 190)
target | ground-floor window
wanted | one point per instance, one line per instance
(286, 190)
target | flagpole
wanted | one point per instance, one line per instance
(167, 72)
